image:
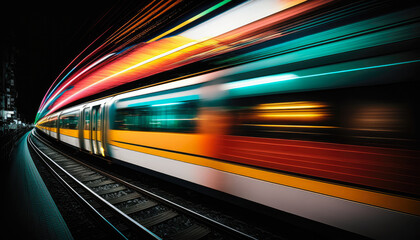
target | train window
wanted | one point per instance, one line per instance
(98, 119)
(69, 120)
(52, 122)
(46, 124)
(168, 117)
(87, 119)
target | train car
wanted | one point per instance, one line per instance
(68, 125)
(49, 125)
(316, 154)
(322, 127)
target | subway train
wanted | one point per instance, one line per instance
(326, 128)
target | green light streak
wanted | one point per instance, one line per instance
(191, 20)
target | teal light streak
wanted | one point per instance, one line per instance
(269, 84)
(166, 104)
(360, 69)
(261, 80)
(163, 102)
(58, 84)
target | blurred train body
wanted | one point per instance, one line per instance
(325, 129)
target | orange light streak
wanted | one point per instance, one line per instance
(132, 21)
(164, 54)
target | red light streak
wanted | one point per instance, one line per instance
(146, 59)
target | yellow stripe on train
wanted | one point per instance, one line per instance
(378, 199)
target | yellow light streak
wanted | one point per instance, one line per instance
(288, 126)
(290, 105)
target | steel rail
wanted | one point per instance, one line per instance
(199, 217)
(141, 230)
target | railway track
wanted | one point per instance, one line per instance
(125, 210)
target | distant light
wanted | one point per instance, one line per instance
(260, 81)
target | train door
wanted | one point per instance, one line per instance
(80, 129)
(85, 129)
(96, 130)
(58, 126)
(49, 126)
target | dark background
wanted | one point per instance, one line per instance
(45, 38)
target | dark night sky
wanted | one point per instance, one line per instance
(46, 39)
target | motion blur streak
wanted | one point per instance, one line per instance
(156, 10)
(303, 110)
(118, 73)
(82, 72)
(306, 107)
(239, 16)
(190, 20)
(191, 42)
(50, 92)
